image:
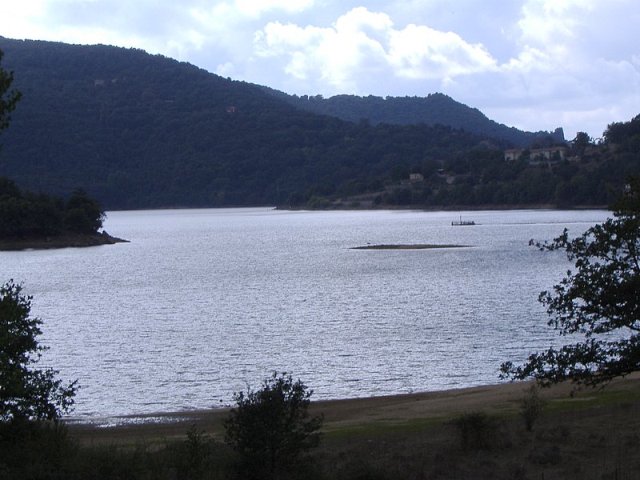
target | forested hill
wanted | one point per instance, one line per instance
(137, 130)
(434, 109)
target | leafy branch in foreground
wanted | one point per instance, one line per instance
(26, 393)
(598, 303)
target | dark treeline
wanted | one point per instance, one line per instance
(590, 175)
(25, 215)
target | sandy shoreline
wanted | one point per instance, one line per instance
(350, 413)
(346, 406)
(60, 241)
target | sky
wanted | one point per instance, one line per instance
(532, 64)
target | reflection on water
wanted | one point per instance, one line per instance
(203, 302)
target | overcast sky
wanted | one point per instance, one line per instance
(532, 64)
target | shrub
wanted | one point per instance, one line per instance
(531, 406)
(476, 430)
(271, 428)
(196, 457)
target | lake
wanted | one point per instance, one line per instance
(204, 302)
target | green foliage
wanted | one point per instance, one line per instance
(35, 450)
(581, 142)
(26, 215)
(599, 441)
(8, 98)
(624, 134)
(197, 457)
(26, 393)
(83, 214)
(476, 431)
(531, 407)
(597, 303)
(271, 428)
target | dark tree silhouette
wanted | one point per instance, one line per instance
(83, 214)
(599, 302)
(26, 393)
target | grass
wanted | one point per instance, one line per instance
(475, 433)
(593, 439)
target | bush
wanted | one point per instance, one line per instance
(476, 430)
(198, 457)
(271, 428)
(531, 406)
(35, 449)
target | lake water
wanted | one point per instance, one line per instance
(203, 302)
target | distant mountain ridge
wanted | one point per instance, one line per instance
(434, 109)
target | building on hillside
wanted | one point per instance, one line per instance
(416, 177)
(512, 154)
(538, 155)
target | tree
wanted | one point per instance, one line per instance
(270, 428)
(8, 98)
(83, 214)
(582, 141)
(26, 393)
(598, 303)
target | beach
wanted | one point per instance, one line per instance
(361, 413)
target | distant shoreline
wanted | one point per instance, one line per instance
(422, 208)
(60, 241)
(447, 208)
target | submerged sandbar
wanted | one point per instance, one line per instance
(417, 246)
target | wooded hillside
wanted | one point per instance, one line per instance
(434, 109)
(136, 130)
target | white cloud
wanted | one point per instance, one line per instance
(226, 69)
(361, 19)
(422, 52)
(571, 64)
(255, 8)
(22, 19)
(529, 59)
(545, 22)
(362, 42)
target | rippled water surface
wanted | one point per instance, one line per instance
(203, 302)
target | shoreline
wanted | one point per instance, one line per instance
(60, 241)
(442, 208)
(424, 208)
(357, 413)
(177, 416)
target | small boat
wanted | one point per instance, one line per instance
(462, 223)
